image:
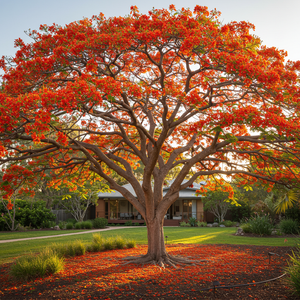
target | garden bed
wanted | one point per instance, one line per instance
(286, 236)
(101, 276)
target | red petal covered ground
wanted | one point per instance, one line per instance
(102, 276)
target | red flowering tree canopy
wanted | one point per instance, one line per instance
(168, 88)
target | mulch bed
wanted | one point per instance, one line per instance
(102, 276)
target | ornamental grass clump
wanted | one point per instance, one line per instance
(109, 244)
(293, 271)
(70, 249)
(120, 242)
(289, 226)
(260, 225)
(32, 266)
(131, 243)
(97, 243)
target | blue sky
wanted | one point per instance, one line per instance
(276, 21)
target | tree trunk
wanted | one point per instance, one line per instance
(156, 242)
(157, 253)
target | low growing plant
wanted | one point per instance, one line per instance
(201, 224)
(71, 220)
(289, 226)
(192, 221)
(184, 224)
(109, 244)
(97, 243)
(69, 226)
(77, 225)
(100, 223)
(128, 223)
(130, 243)
(261, 225)
(88, 224)
(228, 223)
(293, 270)
(120, 242)
(70, 249)
(33, 266)
(246, 228)
(62, 225)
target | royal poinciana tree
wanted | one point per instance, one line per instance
(168, 88)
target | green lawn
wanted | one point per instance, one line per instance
(28, 234)
(175, 235)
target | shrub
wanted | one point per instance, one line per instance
(78, 225)
(228, 223)
(201, 224)
(130, 243)
(62, 225)
(34, 214)
(48, 224)
(120, 242)
(293, 213)
(32, 266)
(289, 226)
(240, 212)
(69, 225)
(118, 225)
(21, 228)
(246, 228)
(192, 221)
(88, 224)
(100, 223)
(128, 223)
(136, 224)
(71, 220)
(184, 224)
(293, 271)
(261, 225)
(70, 249)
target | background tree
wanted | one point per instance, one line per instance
(217, 202)
(169, 88)
(78, 201)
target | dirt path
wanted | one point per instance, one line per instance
(65, 234)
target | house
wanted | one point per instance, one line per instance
(114, 207)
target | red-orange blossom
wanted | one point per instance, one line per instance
(168, 88)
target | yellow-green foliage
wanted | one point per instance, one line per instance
(32, 266)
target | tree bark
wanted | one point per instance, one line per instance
(156, 242)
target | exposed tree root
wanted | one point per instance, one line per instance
(164, 260)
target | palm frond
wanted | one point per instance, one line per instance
(288, 200)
